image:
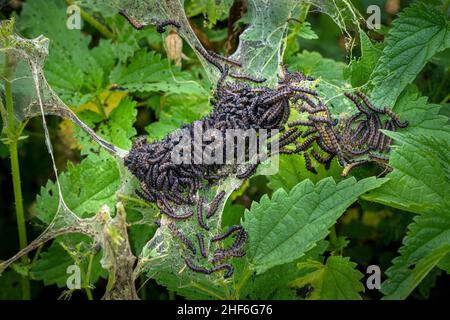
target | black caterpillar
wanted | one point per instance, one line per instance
(237, 105)
(219, 257)
(244, 103)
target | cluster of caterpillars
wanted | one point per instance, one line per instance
(244, 103)
(220, 255)
(354, 141)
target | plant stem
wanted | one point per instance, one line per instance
(445, 99)
(36, 255)
(245, 276)
(14, 156)
(89, 293)
(88, 278)
(101, 107)
(142, 291)
(437, 92)
(93, 22)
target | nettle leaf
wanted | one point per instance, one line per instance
(148, 72)
(337, 279)
(117, 128)
(75, 71)
(283, 228)
(260, 45)
(408, 189)
(424, 118)
(292, 170)
(416, 35)
(313, 64)
(127, 39)
(10, 280)
(72, 69)
(360, 70)
(330, 74)
(213, 10)
(217, 9)
(274, 284)
(444, 264)
(51, 267)
(85, 188)
(419, 181)
(178, 110)
(426, 244)
(306, 32)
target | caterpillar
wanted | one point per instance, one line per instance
(160, 27)
(132, 21)
(215, 204)
(308, 164)
(238, 104)
(200, 220)
(177, 233)
(227, 233)
(224, 59)
(201, 244)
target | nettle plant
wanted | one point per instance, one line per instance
(159, 206)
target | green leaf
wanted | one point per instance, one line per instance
(417, 34)
(148, 72)
(429, 282)
(419, 183)
(359, 70)
(336, 280)
(217, 10)
(119, 128)
(274, 284)
(292, 170)
(313, 64)
(51, 267)
(127, 39)
(10, 286)
(140, 234)
(444, 264)
(176, 111)
(283, 228)
(72, 69)
(426, 244)
(424, 118)
(260, 44)
(420, 178)
(85, 188)
(306, 32)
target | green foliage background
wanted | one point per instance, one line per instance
(311, 236)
